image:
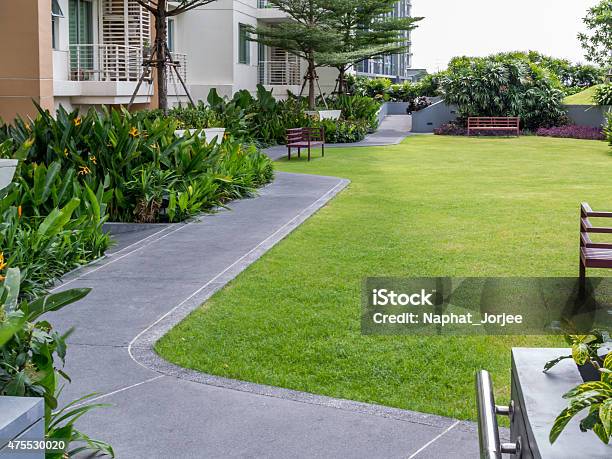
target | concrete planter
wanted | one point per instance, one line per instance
(7, 170)
(537, 400)
(210, 134)
(325, 114)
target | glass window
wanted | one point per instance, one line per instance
(56, 13)
(171, 34)
(244, 45)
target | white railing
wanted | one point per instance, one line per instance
(111, 62)
(281, 73)
(182, 67)
(264, 4)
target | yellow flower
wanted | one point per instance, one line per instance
(77, 121)
(190, 190)
(19, 211)
(66, 152)
(134, 132)
(2, 262)
(84, 170)
(93, 159)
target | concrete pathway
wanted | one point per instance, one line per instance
(160, 410)
(392, 130)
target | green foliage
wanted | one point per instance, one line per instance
(603, 94)
(608, 127)
(383, 89)
(597, 43)
(596, 396)
(504, 86)
(344, 131)
(584, 349)
(131, 163)
(32, 355)
(357, 108)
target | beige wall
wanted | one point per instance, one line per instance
(26, 72)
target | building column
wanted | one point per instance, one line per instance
(26, 71)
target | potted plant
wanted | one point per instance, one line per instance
(588, 351)
(596, 396)
(199, 120)
(324, 114)
(7, 170)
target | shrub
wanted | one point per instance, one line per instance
(344, 131)
(603, 94)
(496, 86)
(572, 132)
(32, 355)
(357, 108)
(608, 127)
(450, 129)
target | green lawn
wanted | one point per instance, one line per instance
(582, 98)
(430, 206)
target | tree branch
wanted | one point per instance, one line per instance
(188, 5)
(147, 5)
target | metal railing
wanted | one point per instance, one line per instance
(110, 62)
(264, 4)
(281, 73)
(491, 446)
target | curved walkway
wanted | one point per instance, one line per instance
(392, 130)
(162, 411)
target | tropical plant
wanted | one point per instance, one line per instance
(584, 349)
(30, 350)
(572, 132)
(596, 396)
(603, 94)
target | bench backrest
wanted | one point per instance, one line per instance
(494, 121)
(312, 134)
(586, 226)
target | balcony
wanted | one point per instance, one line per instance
(267, 12)
(280, 73)
(110, 62)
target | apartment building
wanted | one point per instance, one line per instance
(83, 53)
(397, 67)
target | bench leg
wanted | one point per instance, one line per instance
(308, 152)
(299, 151)
(288, 153)
(323, 150)
(582, 280)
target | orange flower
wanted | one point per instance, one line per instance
(2, 262)
(134, 132)
(19, 211)
(77, 121)
(84, 170)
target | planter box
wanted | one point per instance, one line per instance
(537, 399)
(7, 170)
(21, 418)
(210, 134)
(325, 114)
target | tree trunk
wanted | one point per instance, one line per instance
(161, 36)
(341, 80)
(311, 75)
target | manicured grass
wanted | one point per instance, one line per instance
(430, 206)
(582, 98)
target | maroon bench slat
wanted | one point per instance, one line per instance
(307, 137)
(494, 123)
(592, 254)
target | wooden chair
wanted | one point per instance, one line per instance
(494, 123)
(592, 254)
(305, 138)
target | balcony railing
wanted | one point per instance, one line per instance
(110, 62)
(280, 73)
(264, 4)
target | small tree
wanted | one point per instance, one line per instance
(367, 31)
(305, 36)
(598, 43)
(161, 13)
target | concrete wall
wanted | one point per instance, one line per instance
(587, 115)
(432, 117)
(21, 418)
(26, 72)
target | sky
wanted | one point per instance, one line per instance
(482, 27)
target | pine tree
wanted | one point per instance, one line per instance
(305, 36)
(367, 31)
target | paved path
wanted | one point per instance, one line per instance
(163, 411)
(391, 131)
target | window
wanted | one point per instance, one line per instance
(56, 13)
(244, 45)
(171, 34)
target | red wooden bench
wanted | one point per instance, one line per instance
(494, 123)
(305, 138)
(592, 254)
